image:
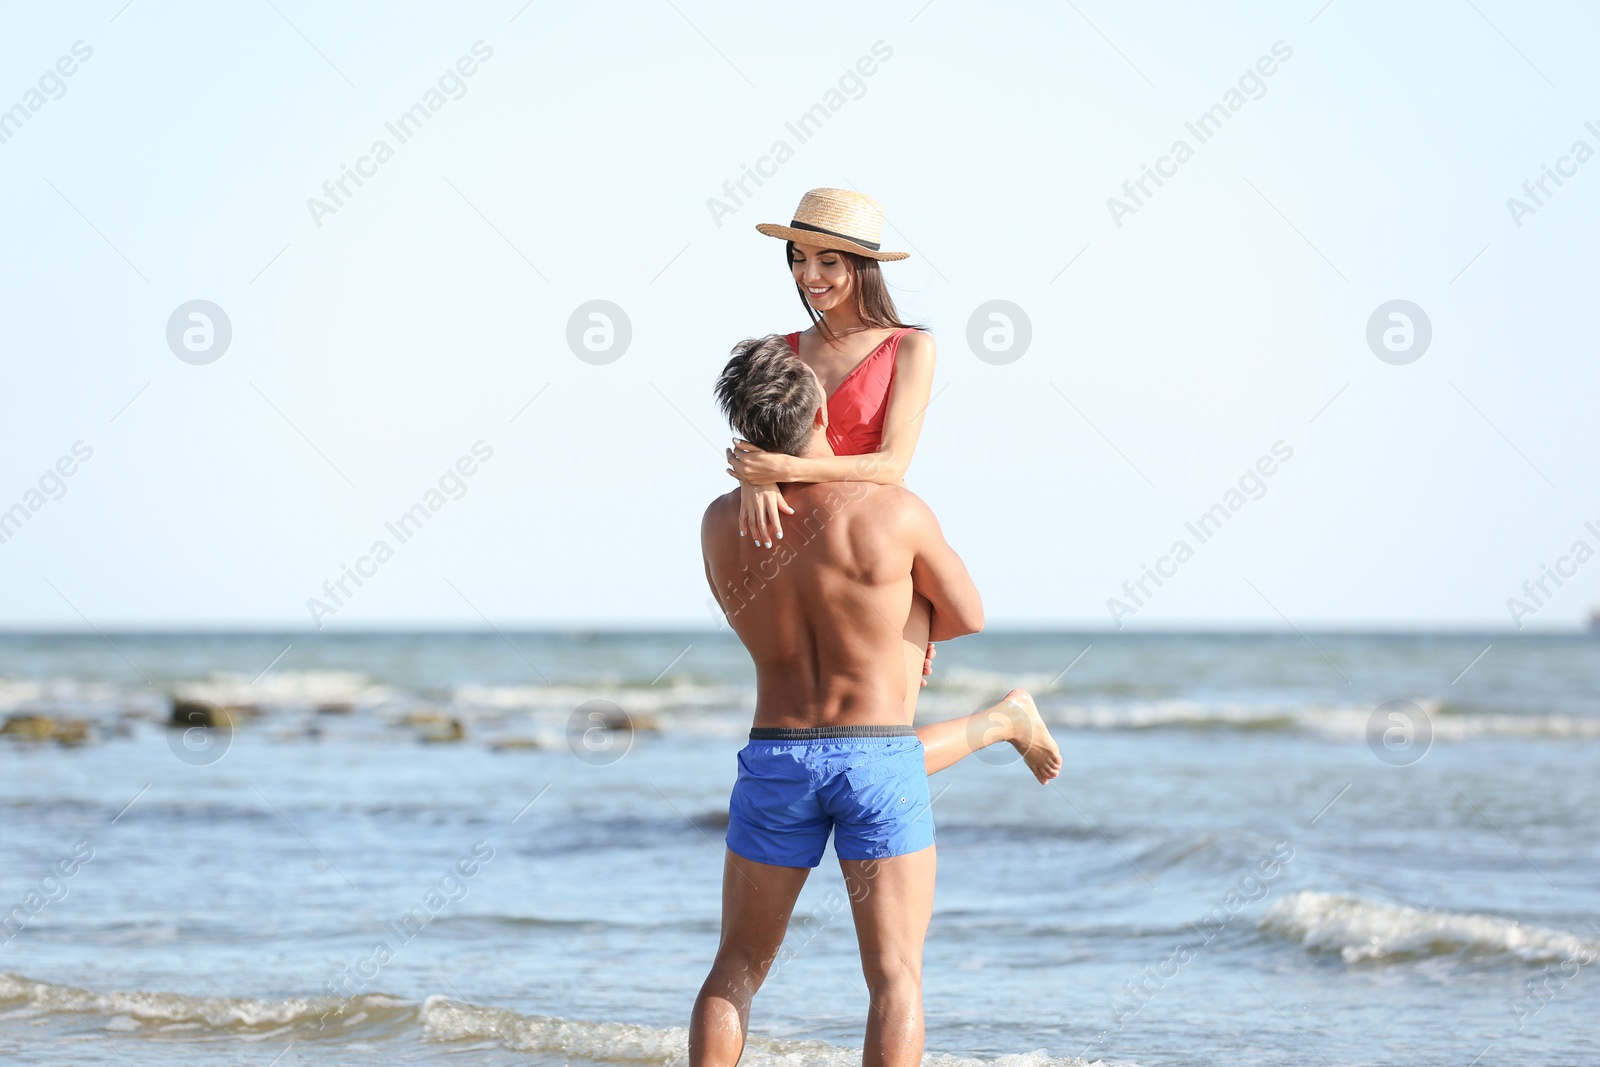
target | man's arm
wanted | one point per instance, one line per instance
(938, 574)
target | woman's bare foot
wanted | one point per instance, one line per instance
(1031, 737)
(1014, 719)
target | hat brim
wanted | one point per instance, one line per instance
(811, 237)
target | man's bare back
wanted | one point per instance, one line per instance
(823, 612)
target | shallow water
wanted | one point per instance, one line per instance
(1228, 872)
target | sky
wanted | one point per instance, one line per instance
(1222, 343)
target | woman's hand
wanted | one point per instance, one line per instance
(759, 506)
(755, 467)
(760, 502)
(927, 662)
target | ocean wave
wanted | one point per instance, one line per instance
(80, 695)
(1360, 930)
(436, 1019)
(25, 997)
(995, 684)
(1181, 714)
(288, 688)
(451, 1020)
(634, 699)
(721, 708)
(1333, 722)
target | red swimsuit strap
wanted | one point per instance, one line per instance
(892, 341)
(890, 344)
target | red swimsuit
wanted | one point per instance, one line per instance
(857, 406)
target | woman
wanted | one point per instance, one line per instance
(877, 373)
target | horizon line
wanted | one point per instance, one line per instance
(415, 629)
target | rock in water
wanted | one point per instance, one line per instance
(71, 733)
(453, 730)
(31, 727)
(25, 727)
(190, 713)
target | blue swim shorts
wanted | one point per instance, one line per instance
(866, 784)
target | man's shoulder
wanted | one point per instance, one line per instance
(718, 511)
(905, 517)
(878, 505)
(850, 493)
(897, 499)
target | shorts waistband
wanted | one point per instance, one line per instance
(819, 733)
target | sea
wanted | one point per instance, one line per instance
(506, 848)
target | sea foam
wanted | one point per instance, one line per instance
(445, 1019)
(435, 1019)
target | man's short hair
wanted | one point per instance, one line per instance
(768, 395)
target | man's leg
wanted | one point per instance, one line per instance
(757, 899)
(892, 900)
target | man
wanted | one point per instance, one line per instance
(822, 616)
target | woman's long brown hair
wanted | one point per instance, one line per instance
(874, 305)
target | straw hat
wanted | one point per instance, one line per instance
(853, 220)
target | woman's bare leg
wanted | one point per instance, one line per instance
(1015, 719)
(915, 648)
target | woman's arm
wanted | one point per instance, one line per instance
(902, 426)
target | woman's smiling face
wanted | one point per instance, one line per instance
(822, 275)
